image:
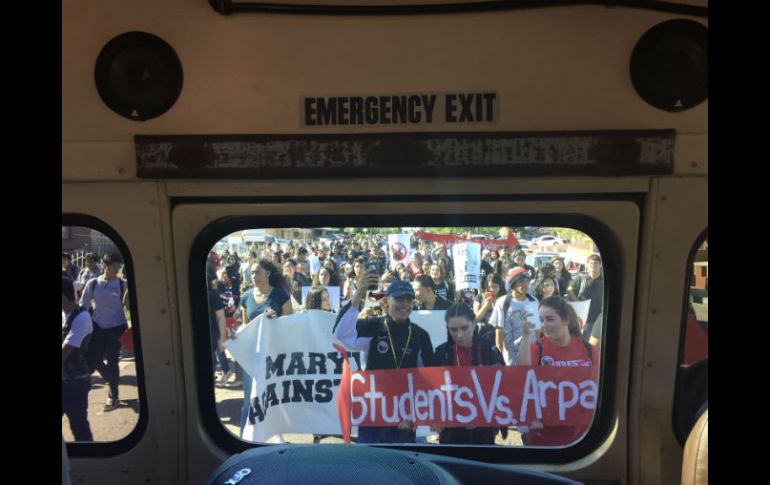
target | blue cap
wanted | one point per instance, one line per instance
(400, 288)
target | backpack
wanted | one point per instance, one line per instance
(588, 347)
(77, 363)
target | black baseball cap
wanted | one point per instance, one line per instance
(400, 288)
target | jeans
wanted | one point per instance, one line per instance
(246, 400)
(74, 403)
(224, 364)
(108, 345)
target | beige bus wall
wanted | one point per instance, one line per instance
(564, 68)
(552, 69)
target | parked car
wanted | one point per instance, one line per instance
(538, 258)
(549, 241)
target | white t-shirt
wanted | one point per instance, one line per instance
(512, 324)
(81, 328)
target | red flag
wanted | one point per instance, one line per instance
(343, 398)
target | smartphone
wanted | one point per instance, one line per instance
(371, 268)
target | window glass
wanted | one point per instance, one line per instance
(278, 299)
(100, 398)
(691, 395)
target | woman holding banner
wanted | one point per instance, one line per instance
(465, 347)
(268, 296)
(561, 345)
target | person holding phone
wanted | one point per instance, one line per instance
(485, 301)
(390, 341)
(484, 304)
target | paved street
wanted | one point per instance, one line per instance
(116, 424)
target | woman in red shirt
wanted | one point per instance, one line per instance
(560, 346)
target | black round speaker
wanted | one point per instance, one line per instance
(669, 65)
(138, 75)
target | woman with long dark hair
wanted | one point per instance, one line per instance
(545, 287)
(561, 274)
(268, 296)
(318, 299)
(464, 347)
(331, 267)
(485, 302)
(351, 283)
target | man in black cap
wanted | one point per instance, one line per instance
(391, 341)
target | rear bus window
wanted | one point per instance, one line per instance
(280, 299)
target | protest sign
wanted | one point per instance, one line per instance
(399, 249)
(467, 265)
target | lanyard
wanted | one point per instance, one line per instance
(393, 348)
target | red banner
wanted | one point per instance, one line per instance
(472, 396)
(448, 240)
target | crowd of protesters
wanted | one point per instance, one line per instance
(485, 326)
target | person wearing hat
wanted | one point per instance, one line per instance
(510, 310)
(390, 341)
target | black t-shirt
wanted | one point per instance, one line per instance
(445, 290)
(418, 352)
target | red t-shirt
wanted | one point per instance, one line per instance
(464, 355)
(574, 354)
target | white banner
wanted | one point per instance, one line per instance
(399, 249)
(467, 265)
(432, 321)
(296, 370)
(296, 373)
(334, 296)
(581, 308)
